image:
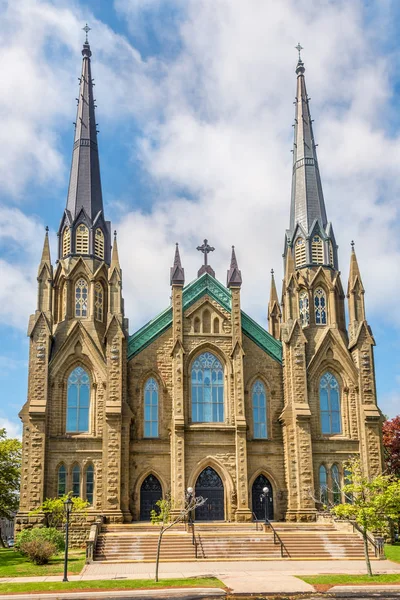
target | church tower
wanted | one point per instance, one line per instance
(325, 419)
(74, 434)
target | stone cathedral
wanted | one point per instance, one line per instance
(202, 396)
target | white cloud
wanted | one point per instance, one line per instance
(13, 428)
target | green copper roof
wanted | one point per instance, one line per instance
(206, 284)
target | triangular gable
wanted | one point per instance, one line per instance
(206, 284)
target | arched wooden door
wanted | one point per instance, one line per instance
(258, 500)
(150, 492)
(209, 485)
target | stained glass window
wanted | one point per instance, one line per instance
(259, 410)
(81, 298)
(329, 398)
(78, 401)
(62, 481)
(317, 250)
(66, 241)
(99, 243)
(320, 306)
(207, 389)
(323, 485)
(89, 484)
(336, 484)
(151, 408)
(82, 240)
(63, 302)
(304, 308)
(98, 301)
(300, 253)
(76, 481)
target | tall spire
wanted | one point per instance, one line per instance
(177, 273)
(85, 201)
(307, 211)
(234, 275)
(85, 185)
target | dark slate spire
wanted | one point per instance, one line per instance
(234, 276)
(177, 272)
(307, 211)
(85, 202)
(84, 184)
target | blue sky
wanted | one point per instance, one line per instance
(195, 116)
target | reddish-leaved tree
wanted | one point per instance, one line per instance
(391, 443)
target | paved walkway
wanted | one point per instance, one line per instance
(240, 576)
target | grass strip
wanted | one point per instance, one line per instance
(350, 579)
(109, 584)
(15, 564)
(392, 552)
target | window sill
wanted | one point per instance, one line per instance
(217, 425)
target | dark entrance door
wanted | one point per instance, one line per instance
(258, 500)
(150, 492)
(209, 485)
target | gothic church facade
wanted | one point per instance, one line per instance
(202, 396)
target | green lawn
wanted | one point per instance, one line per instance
(14, 564)
(350, 579)
(392, 552)
(111, 584)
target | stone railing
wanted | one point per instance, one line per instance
(92, 540)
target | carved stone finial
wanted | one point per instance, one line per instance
(205, 249)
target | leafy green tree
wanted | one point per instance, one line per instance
(10, 474)
(54, 510)
(371, 502)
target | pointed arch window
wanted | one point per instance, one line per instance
(331, 261)
(323, 485)
(78, 401)
(81, 298)
(207, 389)
(151, 408)
(300, 252)
(82, 239)
(63, 301)
(76, 481)
(317, 250)
(61, 481)
(66, 241)
(329, 398)
(99, 243)
(206, 321)
(259, 400)
(304, 308)
(89, 484)
(98, 301)
(320, 306)
(336, 492)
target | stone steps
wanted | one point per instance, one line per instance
(230, 541)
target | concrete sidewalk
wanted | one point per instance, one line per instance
(240, 576)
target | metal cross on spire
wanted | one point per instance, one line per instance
(299, 49)
(205, 249)
(86, 29)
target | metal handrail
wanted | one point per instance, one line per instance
(194, 541)
(378, 548)
(255, 520)
(277, 536)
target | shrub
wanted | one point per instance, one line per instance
(38, 551)
(42, 534)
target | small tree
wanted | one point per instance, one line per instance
(373, 502)
(10, 472)
(54, 510)
(163, 518)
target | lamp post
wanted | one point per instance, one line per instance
(264, 498)
(189, 499)
(68, 504)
